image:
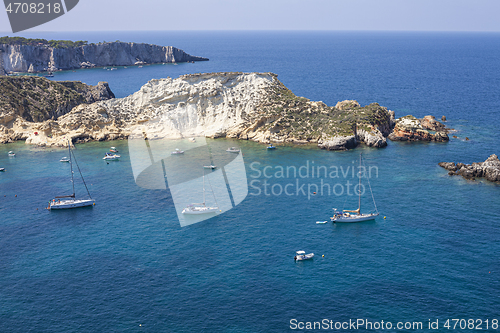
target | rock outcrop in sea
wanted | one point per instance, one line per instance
(489, 169)
(248, 106)
(40, 58)
(30, 104)
(409, 128)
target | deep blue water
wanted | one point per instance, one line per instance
(126, 262)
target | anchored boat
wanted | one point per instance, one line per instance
(201, 208)
(110, 156)
(349, 216)
(301, 255)
(177, 152)
(70, 201)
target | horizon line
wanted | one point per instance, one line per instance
(258, 30)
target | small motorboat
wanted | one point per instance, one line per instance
(233, 150)
(2, 169)
(177, 152)
(321, 222)
(301, 255)
(210, 167)
(65, 159)
(271, 147)
(11, 153)
(113, 150)
(110, 156)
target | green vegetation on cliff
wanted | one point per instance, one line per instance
(37, 99)
(300, 118)
(58, 44)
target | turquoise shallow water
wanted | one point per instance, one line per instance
(127, 262)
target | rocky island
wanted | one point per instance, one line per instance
(489, 169)
(409, 128)
(19, 54)
(247, 106)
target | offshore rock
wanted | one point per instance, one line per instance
(410, 128)
(489, 169)
(30, 58)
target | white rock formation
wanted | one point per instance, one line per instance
(212, 105)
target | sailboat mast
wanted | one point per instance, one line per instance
(71, 166)
(359, 186)
(204, 188)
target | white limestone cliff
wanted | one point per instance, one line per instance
(28, 58)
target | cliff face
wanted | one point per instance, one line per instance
(249, 106)
(27, 58)
(29, 101)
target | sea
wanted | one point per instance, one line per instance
(431, 259)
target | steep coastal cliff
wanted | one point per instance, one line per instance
(31, 101)
(39, 58)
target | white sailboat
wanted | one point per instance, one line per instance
(201, 208)
(350, 216)
(70, 201)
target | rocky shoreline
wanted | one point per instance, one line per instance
(489, 169)
(247, 106)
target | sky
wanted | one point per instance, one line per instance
(353, 15)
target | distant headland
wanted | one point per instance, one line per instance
(24, 55)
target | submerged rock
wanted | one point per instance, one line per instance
(489, 169)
